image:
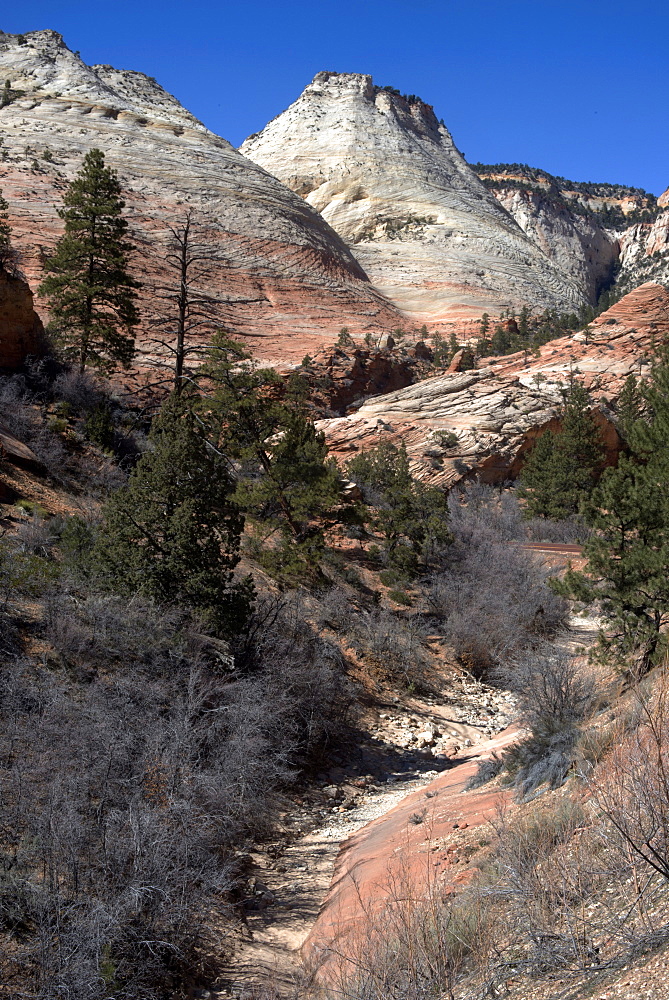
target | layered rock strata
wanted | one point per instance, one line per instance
(603, 234)
(482, 422)
(644, 253)
(283, 278)
(385, 173)
(578, 244)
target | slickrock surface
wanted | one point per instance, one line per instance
(485, 420)
(21, 329)
(406, 747)
(285, 280)
(403, 853)
(418, 849)
(387, 176)
(663, 200)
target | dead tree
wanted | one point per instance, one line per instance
(188, 310)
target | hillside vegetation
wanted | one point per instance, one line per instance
(198, 606)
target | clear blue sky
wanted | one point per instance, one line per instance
(578, 88)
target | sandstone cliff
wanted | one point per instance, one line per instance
(286, 279)
(644, 253)
(578, 243)
(21, 329)
(483, 421)
(605, 235)
(385, 173)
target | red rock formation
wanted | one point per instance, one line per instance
(21, 329)
(340, 377)
(482, 422)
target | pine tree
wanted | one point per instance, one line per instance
(286, 483)
(10, 259)
(453, 346)
(5, 230)
(483, 341)
(188, 312)
(628, 562)
(649, 436)
(628, 552)
(629, 408)
(412, 517)
(501, 340)
(562, 468)
(173, 532)
(441, 351)
(90, 291)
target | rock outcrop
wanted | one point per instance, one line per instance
(578, 243)
(482, 422)
(21, 329)
(385, 173)
(644, 253)
(340, 377)
(285, 279)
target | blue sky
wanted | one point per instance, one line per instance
(578, 88)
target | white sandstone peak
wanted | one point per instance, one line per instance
(285, 278)
(41, 65)
(387, 176)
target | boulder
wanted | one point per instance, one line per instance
(14, 450)
(21, 330)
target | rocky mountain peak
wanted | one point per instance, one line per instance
(40, 65)
(285, 277)
(412, 113)
(387, 176)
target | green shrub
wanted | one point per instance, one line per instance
(445, 439)
(99, 427)
(63, 409)
(400, 597)
(31, 507)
